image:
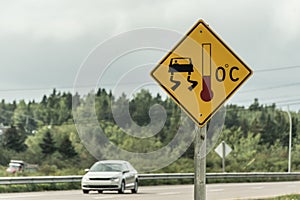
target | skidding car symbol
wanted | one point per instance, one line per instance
(181, 65)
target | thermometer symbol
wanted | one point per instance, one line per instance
(206, 93)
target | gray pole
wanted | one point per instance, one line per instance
(290, 140)
(200, 164)
(223, 156)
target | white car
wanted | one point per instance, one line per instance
(116, 175)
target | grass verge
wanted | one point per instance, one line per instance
(38, 187)
(285, 197)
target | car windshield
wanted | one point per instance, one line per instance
(14, 165)
(107, 167)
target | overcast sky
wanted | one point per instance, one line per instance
(44, 43)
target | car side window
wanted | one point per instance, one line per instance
(125, 166)
(130, 167)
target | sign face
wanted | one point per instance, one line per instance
(219, 150)
(200, 73)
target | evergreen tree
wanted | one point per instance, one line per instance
(119, 109)
(67, 149)
(14, 139)
(255, 106)
(75, 101)
(48, 144)
(139, 107)
(7, 112)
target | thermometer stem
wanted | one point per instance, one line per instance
(206, 93)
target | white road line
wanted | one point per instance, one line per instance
(169, 193)
(216, 190)
(103, 197)
(257, 188)
(19, 196)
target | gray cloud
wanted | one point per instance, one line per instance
(43, 43)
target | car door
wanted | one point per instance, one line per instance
(129, 176)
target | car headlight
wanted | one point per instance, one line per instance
(85, 178)
(115, 179)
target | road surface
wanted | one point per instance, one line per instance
(174, 192)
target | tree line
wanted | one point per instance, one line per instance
(44, 133)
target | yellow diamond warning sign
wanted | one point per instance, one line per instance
(201, 72)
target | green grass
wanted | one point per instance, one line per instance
(285, 197)
(38, 187)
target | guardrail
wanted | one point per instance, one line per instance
(266, 175)
(162, 176)
(39, 179)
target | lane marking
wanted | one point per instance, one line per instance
(19, 196)
(216, 190)
(257, 188)
(107, 197)
(169, 193)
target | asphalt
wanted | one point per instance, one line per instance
(174, 192)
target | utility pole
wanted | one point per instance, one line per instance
(290, 140)
(200, 164)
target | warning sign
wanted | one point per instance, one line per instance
(201, 72)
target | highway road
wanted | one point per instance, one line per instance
(174, 192)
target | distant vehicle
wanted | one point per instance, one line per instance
(20, 166)
(112, 175)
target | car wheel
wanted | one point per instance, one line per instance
(122, 188)
(85, 191)
(135, 189)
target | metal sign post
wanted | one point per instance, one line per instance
(223, 156)
(200, 164)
